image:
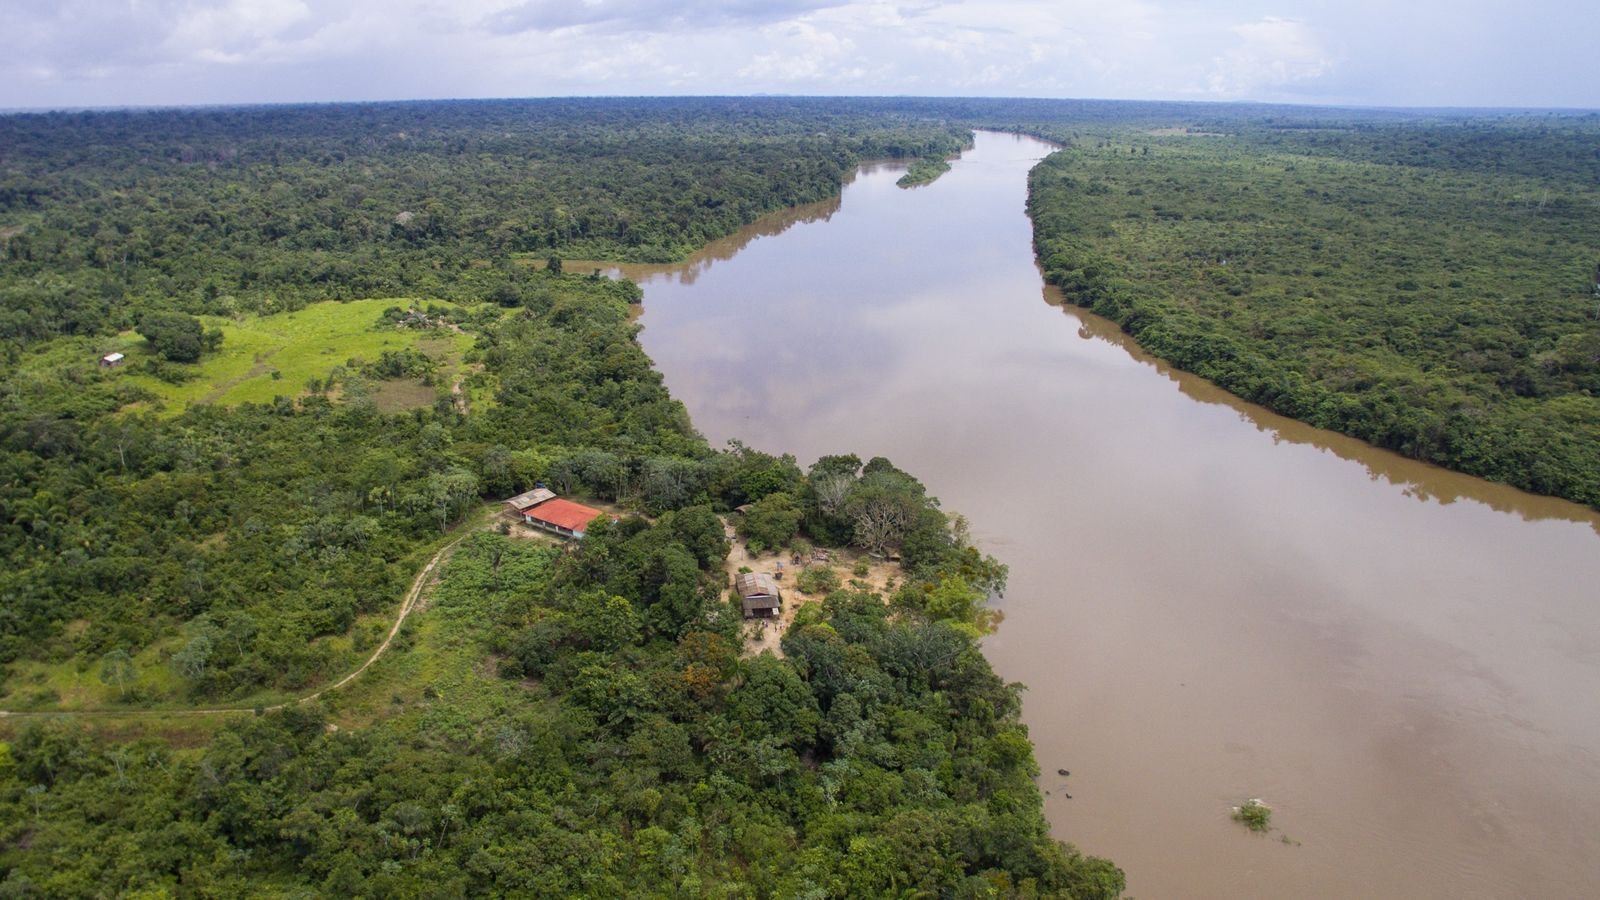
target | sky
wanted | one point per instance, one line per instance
(70, 53)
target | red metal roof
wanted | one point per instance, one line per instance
(563, 514)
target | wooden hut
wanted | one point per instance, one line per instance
(111, 360)
(529, 500)
(758, 591)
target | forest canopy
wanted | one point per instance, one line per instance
(193, 529)
(1433, 289)
(107, 215)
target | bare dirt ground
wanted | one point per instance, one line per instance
(765, 635)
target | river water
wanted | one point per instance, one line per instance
(1208, 602)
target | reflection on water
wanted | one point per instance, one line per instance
(1421, 481)
(1208, 602)
(689, 271)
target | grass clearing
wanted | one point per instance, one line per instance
(263, 357)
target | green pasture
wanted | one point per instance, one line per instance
(264, 357)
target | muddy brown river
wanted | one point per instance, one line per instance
(1208, 602)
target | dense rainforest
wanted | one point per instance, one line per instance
(217, 521)
(104, 215)
(1431, 287)
(620, 748)
(346, 330)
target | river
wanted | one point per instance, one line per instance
(1208, 602)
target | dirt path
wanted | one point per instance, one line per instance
(413, 597)
(407, 606)
(457, 393)
(260, 368)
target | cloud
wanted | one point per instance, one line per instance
(1268, 55)
(236, 30)
(106, 38)
(807, 53)
(647, 15)
(113, 52)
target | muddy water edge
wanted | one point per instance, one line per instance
(1208, 602)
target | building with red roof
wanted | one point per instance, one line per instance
(561, 517)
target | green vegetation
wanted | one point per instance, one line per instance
(1429, 288)
(235, 527)
(233, 551)
(177, 337)
(1255, 815)
(923, 171)
(817, 580)
(268, 209)
(883, 756)
(262, 357)
(231, 518)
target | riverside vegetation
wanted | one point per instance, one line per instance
(923, 171)
(1430, 287)
(556, 722)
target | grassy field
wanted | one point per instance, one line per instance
(269, 356)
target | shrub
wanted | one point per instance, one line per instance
(817, 580)
(1254, 814)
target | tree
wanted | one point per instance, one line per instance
(116, 670)
(606, 623)
(699, 530)
(671, 585)
(193, 660)
(177, 337)
(773, 701)
(553, 265)
(446, 495)
(881, 519)
(771, 521)
(831, 490)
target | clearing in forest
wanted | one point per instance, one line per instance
(263, 357)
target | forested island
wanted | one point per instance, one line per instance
(923, 171)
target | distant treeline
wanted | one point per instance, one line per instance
(262, 208)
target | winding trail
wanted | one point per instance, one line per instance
(407, 606)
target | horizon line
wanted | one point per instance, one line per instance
(1283, 104)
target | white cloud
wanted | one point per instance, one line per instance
(646, 15)
(1268, 55)
(802, 53)
(96, 52)
(233, 31)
